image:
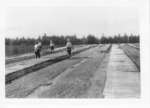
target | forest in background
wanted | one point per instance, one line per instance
(23, 45)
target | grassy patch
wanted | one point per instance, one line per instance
(133, 54)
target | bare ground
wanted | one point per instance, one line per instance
(81, 76)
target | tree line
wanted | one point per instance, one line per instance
(61, 40)
(120, 39)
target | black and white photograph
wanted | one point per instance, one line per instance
(73, 50)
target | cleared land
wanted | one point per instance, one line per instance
(92, 73)
(16, 50)
(18, 69)
(26, 56)
(76, 74)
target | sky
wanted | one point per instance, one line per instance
(81, 20)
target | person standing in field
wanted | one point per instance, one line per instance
(37, 49)
(51, 46)
(40, 48)
(69, 47)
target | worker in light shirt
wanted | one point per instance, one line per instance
(69, 47)
(37, 49)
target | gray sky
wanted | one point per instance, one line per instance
(67, 20)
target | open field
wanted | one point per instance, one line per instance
(94, 71)
(45, 51)
(16, 50)
(18, 69)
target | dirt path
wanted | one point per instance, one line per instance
(123, 78)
